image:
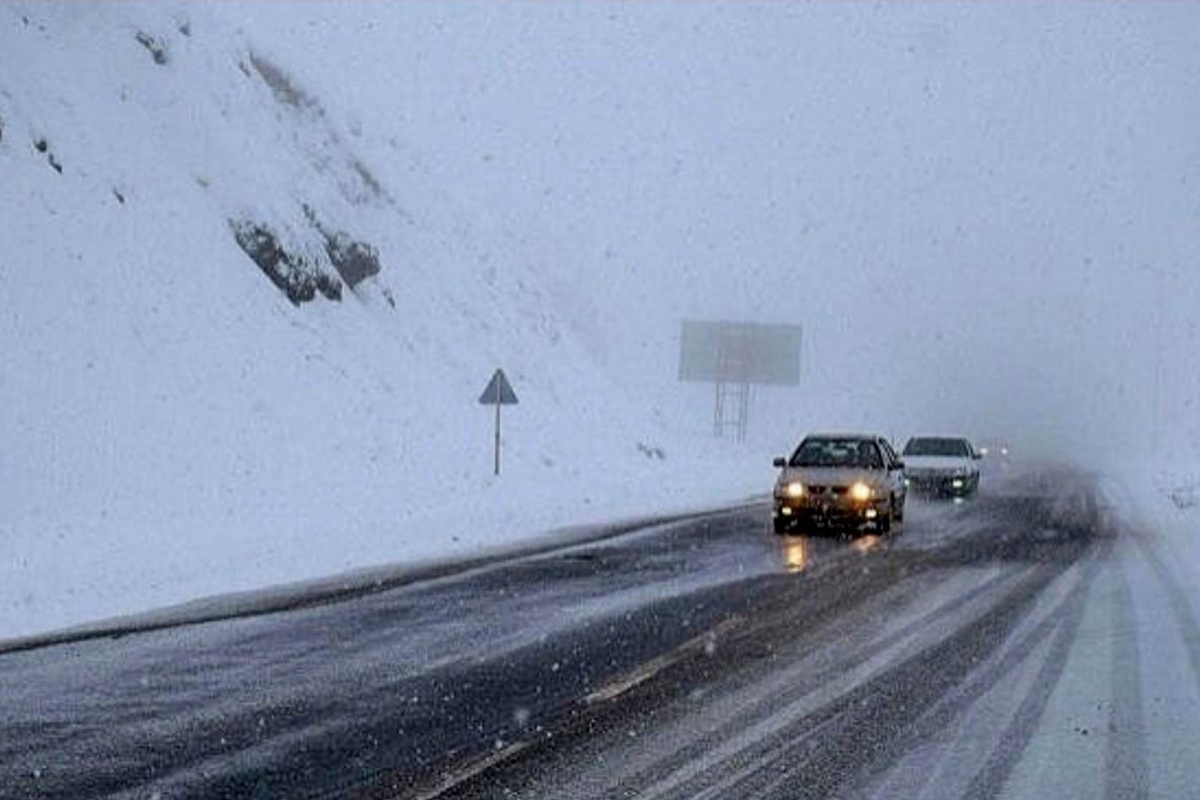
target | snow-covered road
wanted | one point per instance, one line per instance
(1040, 641)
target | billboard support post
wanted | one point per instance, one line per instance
(738, 355)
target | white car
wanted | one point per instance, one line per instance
(944, 466)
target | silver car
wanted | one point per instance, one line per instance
(850, 481)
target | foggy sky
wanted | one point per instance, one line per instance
(984, 215)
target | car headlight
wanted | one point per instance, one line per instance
(860, 491)
(794, 489)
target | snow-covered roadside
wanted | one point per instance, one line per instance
(57, 584)
(1162, 501)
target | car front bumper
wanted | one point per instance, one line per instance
(828, 512)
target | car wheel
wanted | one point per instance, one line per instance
(885, 524)
(780, 525)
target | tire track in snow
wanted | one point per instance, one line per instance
(1181, 607)
(948, 766)
(871, 724)
(797, 692)
(896, 701)
(1126, 769)
(990, 780)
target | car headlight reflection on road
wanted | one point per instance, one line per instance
(795, 555)
(794, 489)
(860, 491)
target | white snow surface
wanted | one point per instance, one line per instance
(551, 188)
(174, 427)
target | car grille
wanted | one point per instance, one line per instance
(833, 491)
(926, 473)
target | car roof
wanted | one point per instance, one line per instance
(870, 437)
(938, 437)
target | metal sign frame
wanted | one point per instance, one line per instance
(738, 355)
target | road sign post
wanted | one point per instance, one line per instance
(499, 392)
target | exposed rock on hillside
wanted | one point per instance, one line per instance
(354, 261)
(296, 276)
(43, 146)
(157, 50)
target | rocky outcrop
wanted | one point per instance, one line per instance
(355, 261)
(299, 278)
(154, 46)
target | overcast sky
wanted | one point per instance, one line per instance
(988, 211)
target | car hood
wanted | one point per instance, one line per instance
(939, 463)
(831, 476)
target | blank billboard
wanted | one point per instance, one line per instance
(739, 352)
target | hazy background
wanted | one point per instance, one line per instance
(984, 215)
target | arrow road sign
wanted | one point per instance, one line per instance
(499, 392)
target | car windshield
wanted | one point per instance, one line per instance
(937, 446)
(859, 453)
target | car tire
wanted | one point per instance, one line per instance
(780, 526)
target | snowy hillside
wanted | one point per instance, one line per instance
(180, 420)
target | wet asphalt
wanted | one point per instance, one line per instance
(704, 657)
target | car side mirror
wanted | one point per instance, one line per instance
(780, 462)
(899, 465)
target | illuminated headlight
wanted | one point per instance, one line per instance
(860, 491)
(794, 489)
(957, 483)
